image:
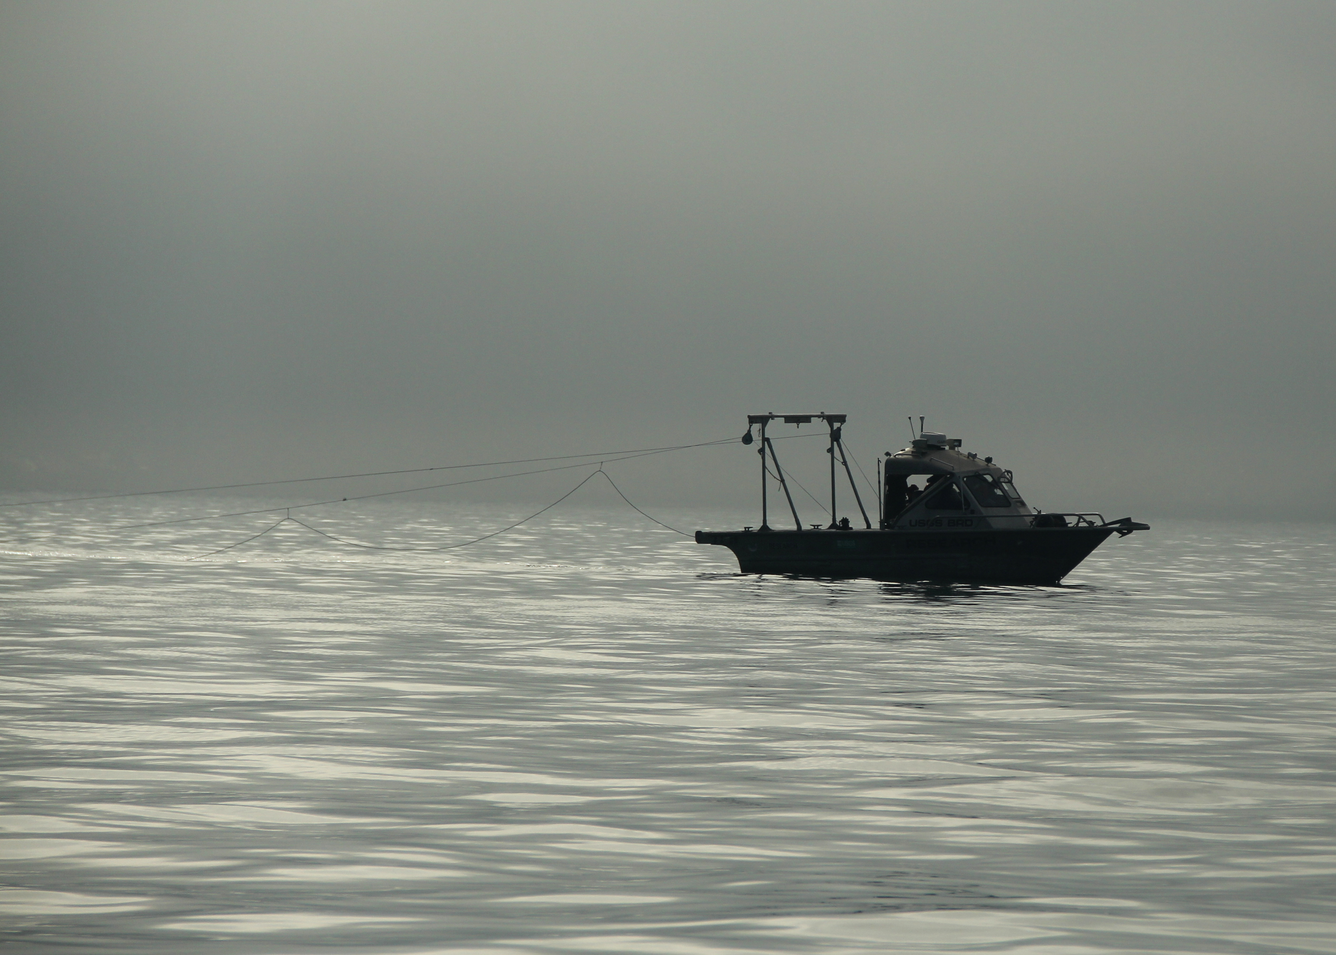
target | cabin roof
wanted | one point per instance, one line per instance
(936, 461)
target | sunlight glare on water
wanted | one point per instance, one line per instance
(589, 735)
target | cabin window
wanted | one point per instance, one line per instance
(944, 496)
(1015, 495)
(902, 490)
(987, 490)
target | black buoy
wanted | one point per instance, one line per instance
(747, 438)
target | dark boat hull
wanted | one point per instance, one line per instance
(1022, 556)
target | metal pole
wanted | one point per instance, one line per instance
(853, 486)
(833, 518)
(764, 525)
(881, 498)
(784, 486)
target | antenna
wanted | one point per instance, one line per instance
(910, 419)
(920, 425)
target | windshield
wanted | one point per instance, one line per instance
(944, 496)
(987, 490)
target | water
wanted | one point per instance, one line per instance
(591, 736)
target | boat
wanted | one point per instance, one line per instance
(943, 515)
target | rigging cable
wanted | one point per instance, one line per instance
(629, 456)
(283, 520)
(866, 480)
(288, 517)
(634, 508)
(788, 476)
(344, 477)
(626, 455)
(341, 500)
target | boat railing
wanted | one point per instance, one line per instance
(1067, 519)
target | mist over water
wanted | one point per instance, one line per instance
(591, 735)
(252, 240)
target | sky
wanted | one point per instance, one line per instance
(249, 241)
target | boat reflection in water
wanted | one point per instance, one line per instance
(944, 515)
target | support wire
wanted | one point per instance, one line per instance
(351, 543)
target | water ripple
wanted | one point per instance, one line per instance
(594, 737)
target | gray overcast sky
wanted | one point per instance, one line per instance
(254, 240)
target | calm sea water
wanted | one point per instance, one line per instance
(589, 735)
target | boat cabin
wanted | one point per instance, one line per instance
(932, 484)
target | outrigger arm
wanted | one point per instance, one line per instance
(867, 522)
(779, 472)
